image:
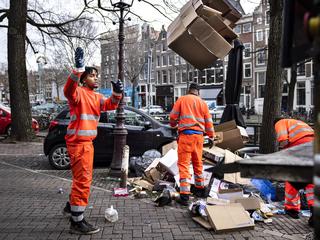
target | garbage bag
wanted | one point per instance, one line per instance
(164, 198)
(139, 164)
(267, 190)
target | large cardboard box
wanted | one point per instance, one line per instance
(231, 136)
(229, 12)
(224, 218)
(200, 35)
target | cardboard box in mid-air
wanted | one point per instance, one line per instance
(200, 34)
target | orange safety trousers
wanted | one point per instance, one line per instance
(190, 149)
(81, 160)
(292, 197)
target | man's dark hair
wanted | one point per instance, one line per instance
(88, 70)
(194, 86)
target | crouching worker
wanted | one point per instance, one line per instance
(85, 107)
(291, 132)
(190, 114)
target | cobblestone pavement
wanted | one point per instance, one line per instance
(31, 207)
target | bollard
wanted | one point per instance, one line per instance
(124, 167)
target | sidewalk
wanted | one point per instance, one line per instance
(31, 205)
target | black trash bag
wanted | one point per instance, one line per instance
(280, 190)
(141, 163)
(164, 198)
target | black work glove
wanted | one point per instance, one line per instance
(79, 60)
(210, 143)
(117, 86)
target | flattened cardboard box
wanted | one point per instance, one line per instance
(193, 36)
(249, 203)
(226, 218)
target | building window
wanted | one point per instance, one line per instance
(301, 70)
(170, 76)
(164, 77)
(261, 81)
(164, 47)
(308, 67)
(210, 75)
(178, 76)
(183, 91)
(259, 35)
(176, 93)
(195, 76)
(183, 61)
(237, 29)
(202, 77)
(301, 93)
(246, 28)
(158, 61)
(267, 17)
(177, 60)
(247, 70)
(170, 56)
(219, 75)
(261, 57)
(184, 76)
(312, 89)
(247, 50)
(259, 20)
(164, 60)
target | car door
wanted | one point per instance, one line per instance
(5, 120)
(104, 141)
(140, 137)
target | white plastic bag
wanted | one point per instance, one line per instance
(111, 214)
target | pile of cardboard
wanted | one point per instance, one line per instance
(202, 32)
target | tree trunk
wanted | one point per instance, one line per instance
(292, 85)
(19, 94)
(272, 99)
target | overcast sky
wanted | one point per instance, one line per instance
(148, 13)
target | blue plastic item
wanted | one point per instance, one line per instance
(267, 190)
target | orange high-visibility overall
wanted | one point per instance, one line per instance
(85, 106)
(192, 116)
(295, 132)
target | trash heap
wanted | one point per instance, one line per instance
(230, 202)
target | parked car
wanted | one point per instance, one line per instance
(5, 121)
(144, 133)
(154, 109)
(217, 112)
(47, 107)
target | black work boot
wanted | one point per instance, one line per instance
(183, 199)
(199, 192)
(293, 213)
(82, 227)
(67, 210)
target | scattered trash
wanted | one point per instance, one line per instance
(60, 191)
(266, 188)
(306, 213)
(90, 207)
(120, 192)
(279, 211)
(113, 179)
(198, 208)
(111, 214)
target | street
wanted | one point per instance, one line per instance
(31, 205)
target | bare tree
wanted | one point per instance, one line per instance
(50, 25)
(272, 99)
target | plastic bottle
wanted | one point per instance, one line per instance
(111, 214)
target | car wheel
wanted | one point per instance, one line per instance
(8, 132)
(59, 158)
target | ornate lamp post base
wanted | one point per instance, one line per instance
(120, 137)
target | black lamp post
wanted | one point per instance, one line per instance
(120, 132)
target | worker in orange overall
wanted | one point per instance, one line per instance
(190, 114)
(291, 132)
(85, 107)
